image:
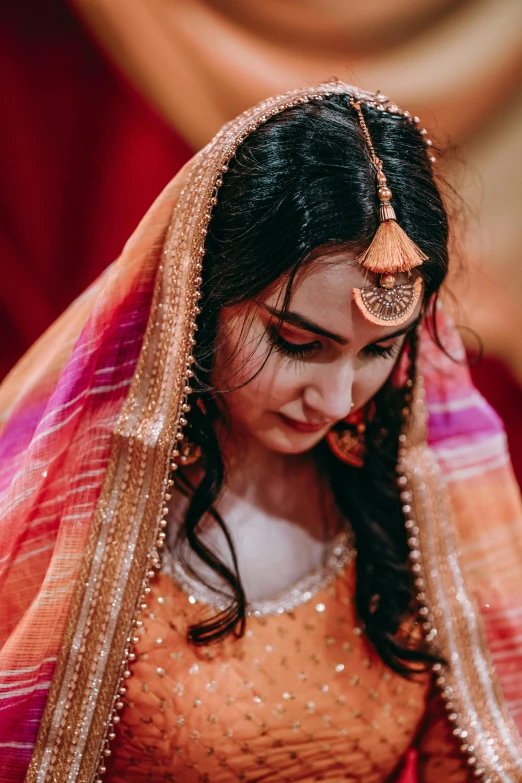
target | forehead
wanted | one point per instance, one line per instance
(322, 292)
(323, 288)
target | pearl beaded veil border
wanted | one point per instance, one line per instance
(127, 536)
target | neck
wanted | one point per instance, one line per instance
(288, 485)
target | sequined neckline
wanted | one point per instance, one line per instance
(340, 552)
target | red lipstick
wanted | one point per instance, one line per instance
(301, 426)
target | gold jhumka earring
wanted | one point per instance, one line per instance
(387, 303)
(187, 453)
(346, 440)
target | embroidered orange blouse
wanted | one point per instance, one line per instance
(301, 697)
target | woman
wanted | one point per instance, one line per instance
(270, 597)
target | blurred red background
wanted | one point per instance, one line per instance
(81, 159)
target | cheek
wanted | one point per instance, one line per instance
(370, 378)
(275, 385)
(265, 383)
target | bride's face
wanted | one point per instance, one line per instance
(324, 357)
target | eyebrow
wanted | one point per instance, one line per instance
(299, 321)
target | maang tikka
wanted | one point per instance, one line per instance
(387, 303)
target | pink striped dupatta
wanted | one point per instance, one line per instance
(87, 421)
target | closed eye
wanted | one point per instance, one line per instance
(296, 348)
(305, 350)
(292, 350)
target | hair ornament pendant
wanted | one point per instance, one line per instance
(389, 303)
(391, 251)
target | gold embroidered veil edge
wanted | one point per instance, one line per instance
(125, 527)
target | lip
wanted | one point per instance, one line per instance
(302, 426)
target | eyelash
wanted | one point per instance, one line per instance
(292, 350)
(301, 351)
(378, 350)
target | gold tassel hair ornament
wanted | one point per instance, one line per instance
(391, 252)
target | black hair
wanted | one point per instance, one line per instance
(304, 181)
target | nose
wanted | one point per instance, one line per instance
(329, 393)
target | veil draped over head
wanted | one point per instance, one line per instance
(87, 423)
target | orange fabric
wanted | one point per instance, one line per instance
(302, 697)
